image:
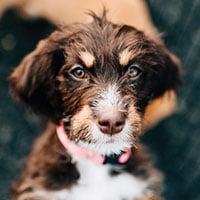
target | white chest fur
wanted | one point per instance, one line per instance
(96, 183)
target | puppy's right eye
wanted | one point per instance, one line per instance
(78, 72)
(134, 71)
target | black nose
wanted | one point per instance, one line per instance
(111, 121)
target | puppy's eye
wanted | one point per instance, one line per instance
(78, 72)
(134, 71)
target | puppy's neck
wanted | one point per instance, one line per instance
(72, 148)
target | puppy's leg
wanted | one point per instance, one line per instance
(47, 172)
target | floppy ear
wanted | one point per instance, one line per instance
(34, 81)
(171, 75)
(170, 78)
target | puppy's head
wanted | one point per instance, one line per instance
(98, 78)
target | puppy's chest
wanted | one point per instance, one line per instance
(98, 183)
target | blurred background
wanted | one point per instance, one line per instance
(175, 142)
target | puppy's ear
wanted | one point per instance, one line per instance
(175, 74)
(169, 73)
(34, 83)
(164, 102)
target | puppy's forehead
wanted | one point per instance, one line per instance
(91, 44)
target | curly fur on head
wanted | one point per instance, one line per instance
(112, 49)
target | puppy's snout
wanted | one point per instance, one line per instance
(111, 121)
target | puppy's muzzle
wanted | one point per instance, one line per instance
(111, 121)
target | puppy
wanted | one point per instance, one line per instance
(93, 82)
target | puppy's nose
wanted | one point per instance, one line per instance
(111, 121)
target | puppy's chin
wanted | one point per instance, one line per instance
(105, 144)
(110, 147)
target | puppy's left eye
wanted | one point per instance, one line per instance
(134, 71)
(78, 72)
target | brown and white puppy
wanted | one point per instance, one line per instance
(96, 79)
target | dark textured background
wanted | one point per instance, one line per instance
(175, 142)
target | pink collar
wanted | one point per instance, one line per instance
(99, 159)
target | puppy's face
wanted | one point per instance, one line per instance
(98, 78)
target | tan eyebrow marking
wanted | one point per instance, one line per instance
(125, 56)
(87, 58)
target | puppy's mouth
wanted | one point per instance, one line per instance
(120, 158)
(103, 140)
(110, 141)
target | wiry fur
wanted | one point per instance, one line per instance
(44, 81)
